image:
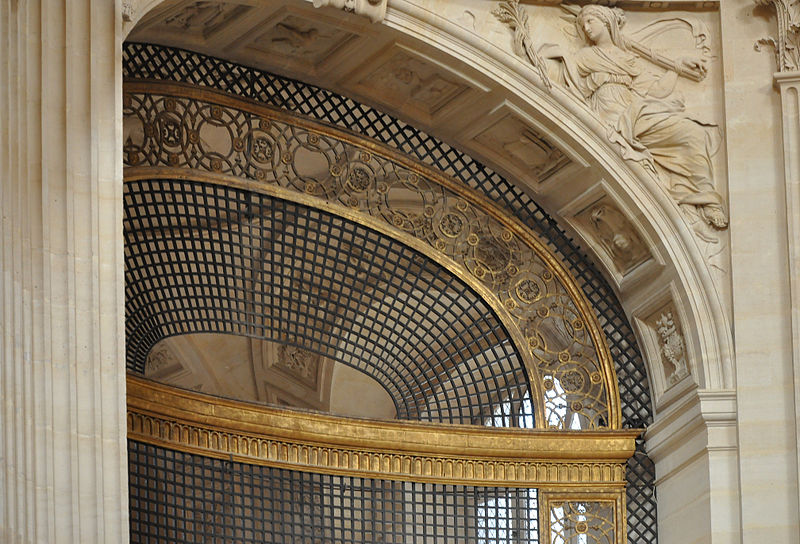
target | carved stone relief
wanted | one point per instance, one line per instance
(301, 364)
(615, 234)
(201, 18)
(671, 344)
(787, 42)
(517, 141)
(630, 84)
(128, 11)
(161, 361)
(405, 78)
(673, 348)
(375, 10)
(296, 37)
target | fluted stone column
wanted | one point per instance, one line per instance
(761, 280)
(62, 419)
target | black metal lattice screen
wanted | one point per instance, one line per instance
(147, 61)
(180, 497)
(211, 258)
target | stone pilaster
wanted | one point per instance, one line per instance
(789, 85)
(693, 443)
(62, 438)
(786, 44)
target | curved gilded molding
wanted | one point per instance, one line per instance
(453, 454)
(551, 322)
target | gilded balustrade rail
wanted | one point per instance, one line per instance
(580, 476)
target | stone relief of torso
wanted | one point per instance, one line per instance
(630, 88)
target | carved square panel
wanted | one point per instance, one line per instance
(294, 38)
(410, 82)
(665, 346)
(197, 19)
(521, 148)
(615, 234)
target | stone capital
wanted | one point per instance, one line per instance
(786, 42)
(699, 421)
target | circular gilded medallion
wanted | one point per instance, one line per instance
(359, 179)
(572, 381)
(528, 290)
(451, 225)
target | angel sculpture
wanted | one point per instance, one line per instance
(642, 118)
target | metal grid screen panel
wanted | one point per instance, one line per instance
(210, 258)
(181, 497)
(148, 61)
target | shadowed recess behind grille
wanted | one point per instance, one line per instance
(210, 258)
(180, 497)
(148, 61)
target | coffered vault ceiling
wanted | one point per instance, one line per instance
(368, 62)
(380, 66)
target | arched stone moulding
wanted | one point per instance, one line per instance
(499, 84)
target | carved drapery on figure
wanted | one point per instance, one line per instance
(646, 121)
(375, 10)
(787, 43)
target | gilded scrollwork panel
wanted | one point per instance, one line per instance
(578, 518)
(187, 128)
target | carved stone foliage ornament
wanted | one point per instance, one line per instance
(375, 10)
(165, 130)
(630, 86)
(787, 43)
(673, 348)
(298, 361)
(128, 11)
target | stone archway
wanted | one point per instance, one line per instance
(669, 290)
(63, 381)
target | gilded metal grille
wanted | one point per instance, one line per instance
(147, 61)
(180, 497)
(211, 258)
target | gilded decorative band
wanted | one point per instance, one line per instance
(456, 454)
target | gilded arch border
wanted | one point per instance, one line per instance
(542, 277)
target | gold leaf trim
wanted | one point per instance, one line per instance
(455, 454)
